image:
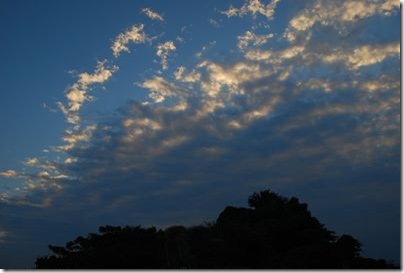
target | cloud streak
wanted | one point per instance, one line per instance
(152, 14)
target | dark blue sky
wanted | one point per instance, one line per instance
(164, 112)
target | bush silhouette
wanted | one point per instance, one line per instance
(274, 233)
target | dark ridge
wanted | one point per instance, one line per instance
(274, 233)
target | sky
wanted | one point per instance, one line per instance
(157, 113)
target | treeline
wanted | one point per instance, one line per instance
(274, 233)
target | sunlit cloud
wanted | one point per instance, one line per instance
(163, 50)
(364, 55)
(190, 77)
(250, 37)
(74, 137)
(161, 89)
(337, 15)
(31, 161)
(9, 173)
(253, 7)
(382, 83)
(230, 76)
(264, 107)
(78, 93)
(274, 57)
(134, 35)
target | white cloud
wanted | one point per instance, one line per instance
(9, 173)
(191, 77)
(31, 161)
(78, 92)
(76, 96)
(364, 55)
(152, 14)
(274, 57)
(389, 6)
(134, 35)
(337, 14)
(163, 50)
(250, 37)
(259, 55)
(100, 75)
(253, 7)
(161, 89)
(231, 76)
(379, 84)
(75, 137)
(255, 116)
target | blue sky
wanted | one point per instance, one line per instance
(164, 112)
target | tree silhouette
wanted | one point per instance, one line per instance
(275, 232)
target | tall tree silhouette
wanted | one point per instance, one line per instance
(275, 232)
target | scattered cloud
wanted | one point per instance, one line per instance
(205, 48)
(161, 89)
(318, 101)
(214, 23)
(78, 92)
(253, 89)
(337, 15)
(152, 14)
(230, 77)
(74, 137)
(31, 161)
(191, 77)
(163, 50)
(134, 35)
(253, 7)
(9, 173)
(250, 37)
(364, 55)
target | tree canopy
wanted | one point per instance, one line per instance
(274, 233)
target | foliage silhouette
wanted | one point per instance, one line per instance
(275, 233)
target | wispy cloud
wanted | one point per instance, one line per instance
(214, 23)
(152, 14)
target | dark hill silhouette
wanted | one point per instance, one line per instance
(274, 233)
